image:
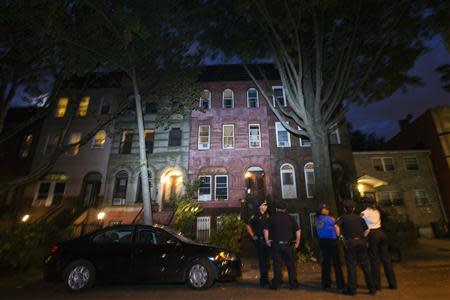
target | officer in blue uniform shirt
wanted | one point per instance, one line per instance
(328, 247)
(255, 229)
(282, 234)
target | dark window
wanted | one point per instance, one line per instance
(175, 137)
(139, 189)
(120, 188)
(149, 140)
(117, 235)
(411, 164)
(222, 187)
(58, 193)
(44, 188)
(126, 141)
(151, 108)
(104, 109)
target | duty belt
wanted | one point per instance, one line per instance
(284, 242)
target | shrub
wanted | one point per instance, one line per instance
(228, 235)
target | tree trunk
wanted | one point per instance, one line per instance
(142, 154)
(324, 189)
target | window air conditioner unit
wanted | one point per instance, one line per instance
(118, 201)
(203, 146)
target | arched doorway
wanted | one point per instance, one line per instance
(171, 186)
(91, 188)
(254, 182)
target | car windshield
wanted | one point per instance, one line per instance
(178, 235)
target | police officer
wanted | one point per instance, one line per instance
(281, 234)
(329, 247)
(354, 230)
(255, 229)
(378, 246)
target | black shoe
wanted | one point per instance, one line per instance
(294, 287)
(274, 287)
(325, 287)
(392, 287)
(372, 292)
(264, 283)
(349, 292)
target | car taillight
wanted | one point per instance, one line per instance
(54, 248)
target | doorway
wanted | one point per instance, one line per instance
(91, 188)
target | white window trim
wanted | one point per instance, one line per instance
(259, 135)
(223, 137)
(215, 187)
(273, 95)
(383, 164)
(293, 179)
(208, 221)
(305, 171)
(206, 197)
(288, 135)
(232, 98)
(200, 102)
(338, 136)
(257, 98)
(209, 138)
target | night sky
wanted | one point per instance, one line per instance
(382, 117)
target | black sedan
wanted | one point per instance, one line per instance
(138, 253)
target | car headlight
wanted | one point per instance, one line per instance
(226, 256)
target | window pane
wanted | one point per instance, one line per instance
(228, 98)
(222, 187)
(411, 163)
(254, 136)
(397, 198)
(151, 108)
(288, 178)
(175, 137)
(149, 140)
(204, 191)
(377, 164)
(99, 139)
(119, 236)
(58, 193)
(83, 107)
(120, 188)
(126, 142)
(421, 198)
(282, 135)
(384, 198)
(334, 137)
(228, 136)
(203, 137)
(44, 188)
(73, 139)
(252, 98)
(279, 96)
(205, 100)
(389, 164)
(104, 110)
(61, 107)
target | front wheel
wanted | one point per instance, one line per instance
(200, 275)
(79, 275)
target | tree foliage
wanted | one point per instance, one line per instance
(228, 233)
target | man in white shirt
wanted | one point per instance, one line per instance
(378, 245)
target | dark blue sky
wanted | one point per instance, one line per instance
(382, 117)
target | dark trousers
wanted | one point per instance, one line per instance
(283, 253)
(330, 255)
(356, 252)
(263, 260)
(378, 250)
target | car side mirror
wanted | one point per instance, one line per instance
(173, 243)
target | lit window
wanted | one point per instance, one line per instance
(278, 96)
(288, 184)
(221, 187)
(283, 137)
(254, 136)
(421, 198)
(309, 179)
(205, 100)
(99, 139)
(203, 137)
(26, 146)
(411, 164)
(126, 141)
(227, 99)
(252, 98)
(61, 107)
(83, 107)
(203, 228)
(74, 138)
(228, 136)
(204, 190)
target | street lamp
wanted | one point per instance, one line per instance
(101, 215)
(25, 218)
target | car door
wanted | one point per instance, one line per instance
(112, 253)
(156, 255)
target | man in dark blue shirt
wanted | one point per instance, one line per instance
(352, 229)
(280, 233)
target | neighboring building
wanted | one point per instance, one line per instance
(292, 166)
(430, 131)
(77, 178)
(167, 155)
(403, 183)
(17, 152)
(229, 145)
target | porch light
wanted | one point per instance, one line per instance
(25, 218)
(101, 215)
(247, 175)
